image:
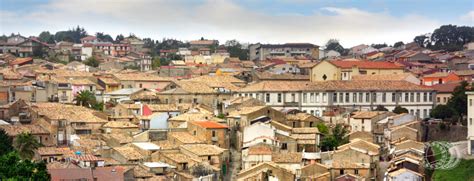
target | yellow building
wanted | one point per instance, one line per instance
(344, 70)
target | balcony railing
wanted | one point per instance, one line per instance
(291, 104)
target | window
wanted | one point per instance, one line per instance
(311, 124)
(213, 133)
(180, 100)
(334, 98)
(425, 97)
(312, 112)
(293, 97)
(438, 99)
(367, 97)
(354, 97)
(406, 97)
(194, 132)
(324, 97)
(341, 97)
(394, 97)
(141, 85)
(444, 99)
(374, 97)
(470, 121)
(347, 97)
(361, 96)
(279, 97)
(304, 97)
(470, 102)
(356, 171)
(418, 97)
(341, 172)
(430, 97)
(317, 113)
(293, 124)
(284, 146)
(267, 97)
(412, 97)
(425, 113)
(384, 97)
(317, 97)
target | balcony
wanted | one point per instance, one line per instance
(291, 104)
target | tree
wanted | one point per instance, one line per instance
(451, 37)
(333, 44)
(119, 38)
(47, 37)
(5, 143)
(155, 63)
(322, 128)
(398, 44)
(400, 110)
(235, 50)
(458, 101)
(104, 37)
(421, 40)
(378, 46)
(85, 98)
(337, 138)
(381, 108)
(13, 168)
(26, 145)
(91, 61)
(442, 112)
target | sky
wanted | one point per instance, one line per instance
(352, 22)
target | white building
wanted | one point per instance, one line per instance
(318, 97)
(470, 124)
(259, 133)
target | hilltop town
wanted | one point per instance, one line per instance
(89, 107)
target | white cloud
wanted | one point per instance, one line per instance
(468, 17)
(218, 19)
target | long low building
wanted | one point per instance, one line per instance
(318, 97)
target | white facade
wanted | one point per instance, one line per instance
(252, 160)
(259, 133)
(470, 123)
(86, 52)
(418, 103)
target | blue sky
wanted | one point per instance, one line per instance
(269, 21)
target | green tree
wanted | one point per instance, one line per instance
(13, 168)
(104, 37)
(322, 128)
(400, 110)
(155, 63)
(119, 38)
(381, 108)
(451, 37)
(398, 44)
(47, 37)
(333, 44)
(421, 40)
(99, 106)
(235, 50)
(5, 143)
(26, 145)
(91, 61)
(337, 138)
(85, 98)
(378, 46)
(458, 101)
(442, 112)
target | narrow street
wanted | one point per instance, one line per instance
(234, 166)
